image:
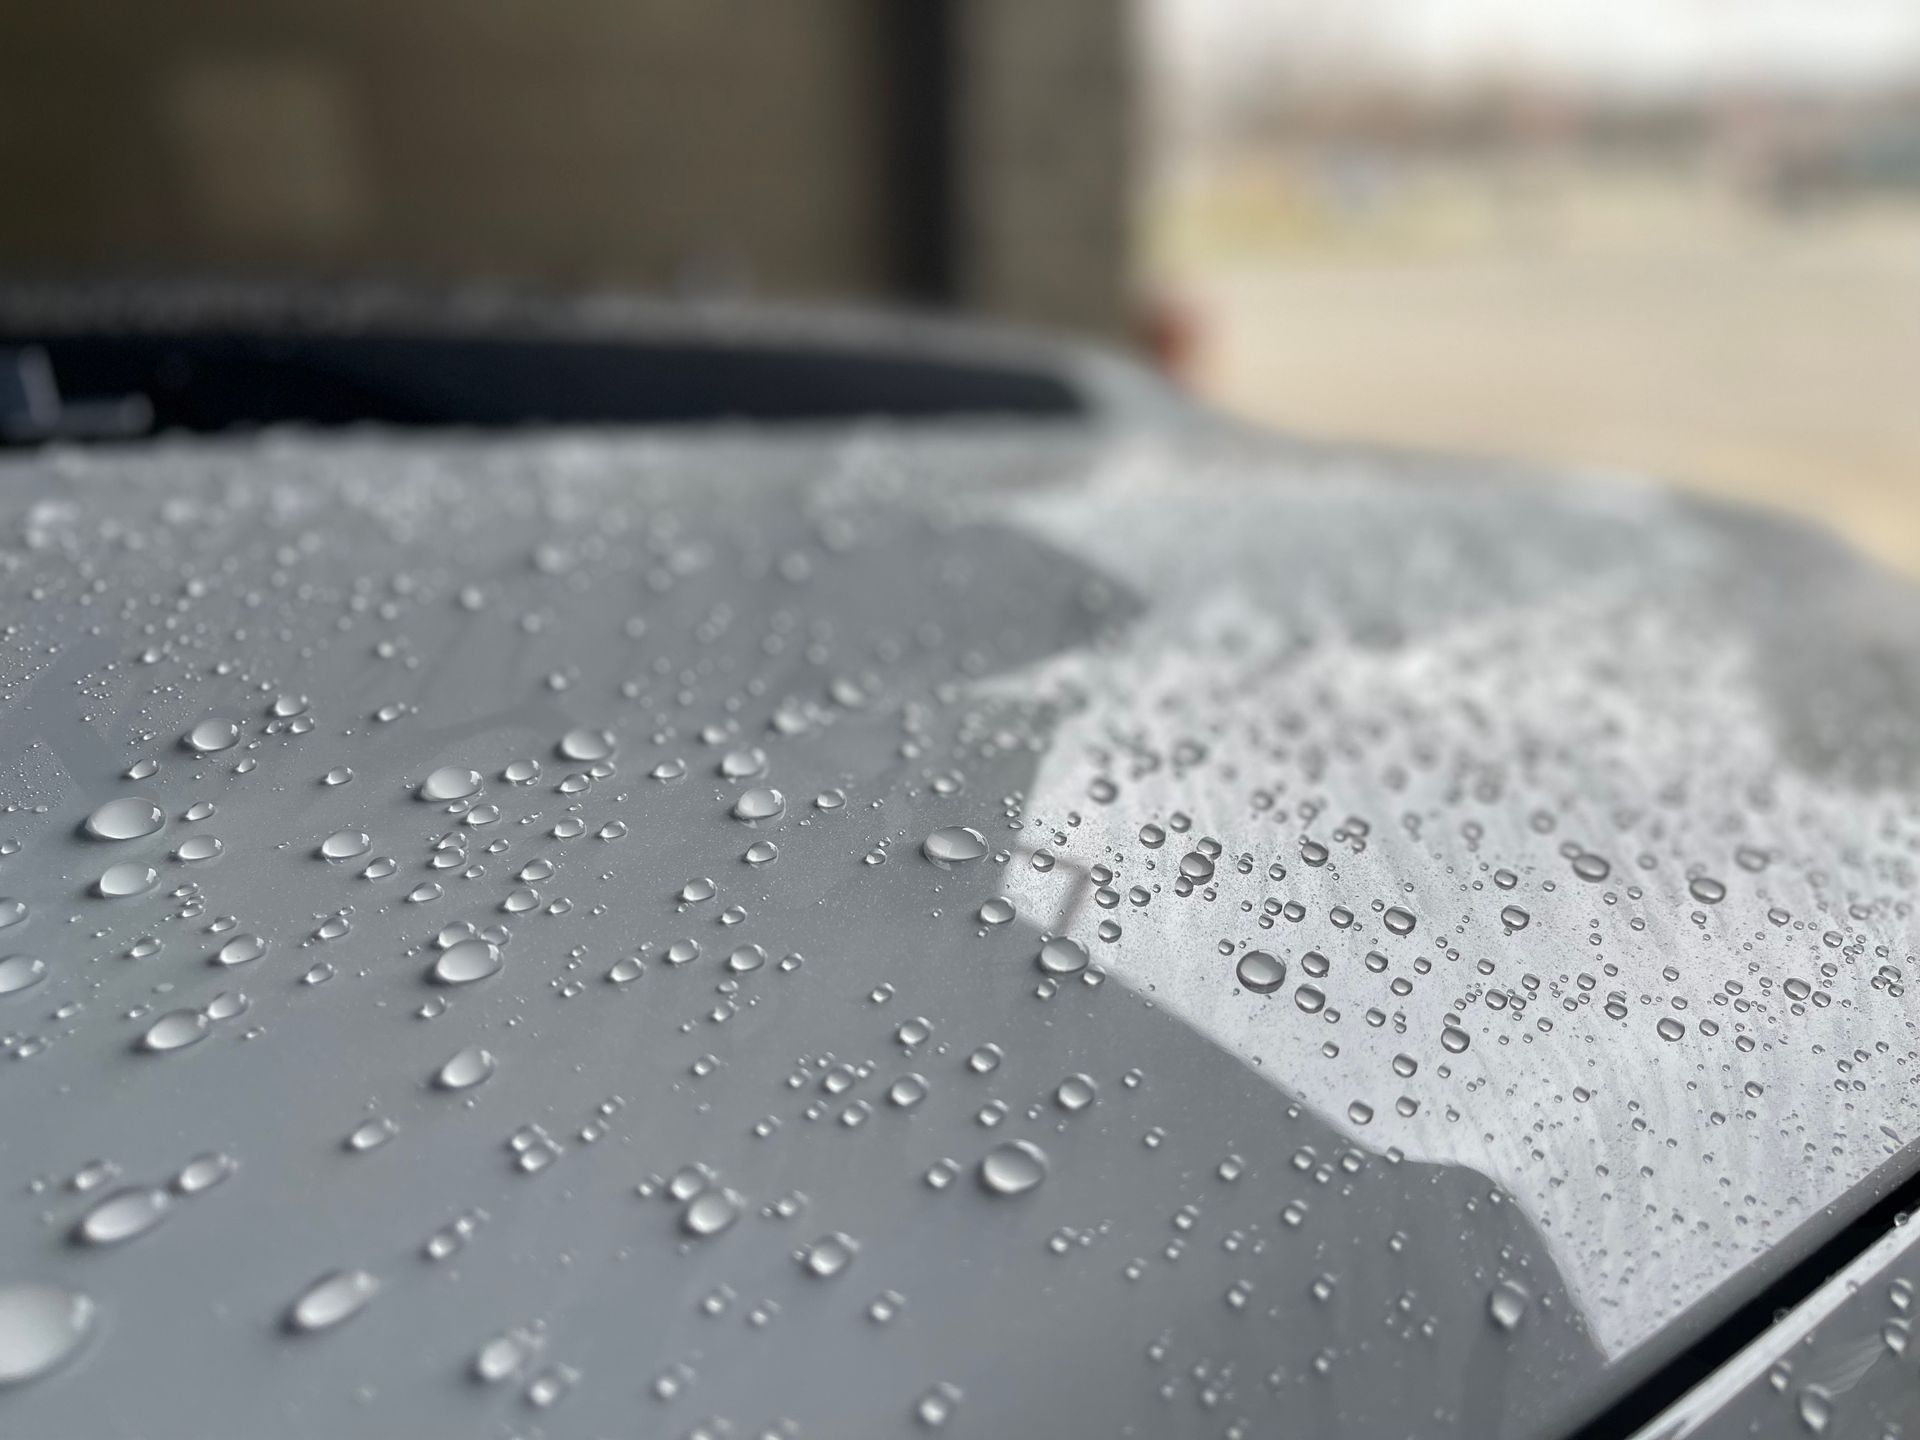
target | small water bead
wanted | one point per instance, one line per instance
(41, 1327)
(585, 745)
(697, 890)
(830, 800)
(1507, 1305)
(339, 775)
(1310, 998)
(761, 852)
(176, 1030)
(203, 1172)
(127, 818)
(1013, 1168)
(828, 1256)
(466, 1069)
(1670, 1028)
(241, 950)
(760, 806)
(345, 845)
(997, 911)
(1152, 836)
(937, 1406)
(1062, 955)
(746, 959)
(1399, 920)
(954, 845)
(626, 970)
(331, 1300)
(143, 770)
(123, 1215)
(466, 961)
(127, 879)
(450, 782)
(212, 735)
(18, 972)
(12, 912)
(199, 848)
(1261, 972)
(1515, 919)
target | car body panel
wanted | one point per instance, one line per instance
(1581, 816)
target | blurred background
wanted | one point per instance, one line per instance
(1667, 236)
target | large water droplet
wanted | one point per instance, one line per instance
(332, 1299)
(40, 1327)
(1062, 956)
(954, 845)
(213, 734)
(128, 878)
(710, 1212)
(17, 972)
(467, 961)
(450, 782)
(123, 1215)
(176, 1030)
(127, 818)
(1013, 1168)
(829, 1255)
(465, 1070)
(241, 950)
(345, 844)
(760, 805)
(1260, 972)
(586, 745)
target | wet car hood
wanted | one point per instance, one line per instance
(987, 928)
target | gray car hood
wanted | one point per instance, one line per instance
(1573, 825)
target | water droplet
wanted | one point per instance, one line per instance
(1062, 956)
(203, 1172)
(176, 1030)
(332, 1299)
(468, 1068)
(466, 961)
(997, 911)
(127, 818)
(123, 1215)
(1399, 920)
(1260, 972)
(128, 878)
(41, 1326)
(17, 972)
(710, 1212)
(241, 950)
(1013, 1168)
(584, 745)
(1514, 918)
(450, 782)
(1670, 1028)
(345, 845)
(828, 1256)
(1706, 890)
(211, 735)
(12, 912)
(954, 845)
(760, 805)
(1507, 1305)
(198, 848)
